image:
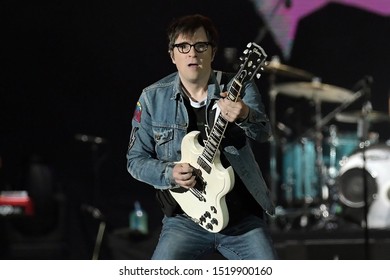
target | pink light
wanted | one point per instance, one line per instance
(284, 22)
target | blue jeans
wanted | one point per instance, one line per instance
(182, 239)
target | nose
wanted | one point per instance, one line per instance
(192, 51)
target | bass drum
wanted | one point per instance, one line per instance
(354, 176)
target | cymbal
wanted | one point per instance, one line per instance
(355, 116)
(285, 70)
(315, 91)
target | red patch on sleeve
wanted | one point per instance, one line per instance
(137, 112)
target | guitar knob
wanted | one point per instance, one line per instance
(207, 214)
(209, 226)
(213, 209)
(214, 221)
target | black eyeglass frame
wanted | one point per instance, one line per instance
(180, 47)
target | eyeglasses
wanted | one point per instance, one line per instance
(186, 47)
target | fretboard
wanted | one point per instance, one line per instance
(217, 132)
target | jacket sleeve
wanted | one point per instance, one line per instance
(141, 156)
(256, 125)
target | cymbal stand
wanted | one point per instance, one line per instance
(318, 136)
(318, 147)
(325, 120)
(274, 140)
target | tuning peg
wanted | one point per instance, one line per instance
(249, 45)
(258, 75)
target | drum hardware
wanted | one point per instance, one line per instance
(327, 211)
(356, 116)
(333, 143)
(315, 90)
(363, 128)
(332, 200)
(276, 68)
(320, 92)
(339, 145)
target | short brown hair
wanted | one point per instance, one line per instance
(188, 25)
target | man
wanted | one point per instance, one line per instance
(189, 100)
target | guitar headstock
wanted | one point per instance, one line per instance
(254, 57)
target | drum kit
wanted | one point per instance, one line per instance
(324, 174)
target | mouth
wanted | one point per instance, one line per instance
(193, 65)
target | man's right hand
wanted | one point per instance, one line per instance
(184, 175)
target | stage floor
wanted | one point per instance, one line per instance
(321, 241)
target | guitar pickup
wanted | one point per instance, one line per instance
(200, 182)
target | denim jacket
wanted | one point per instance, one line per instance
(160, 122)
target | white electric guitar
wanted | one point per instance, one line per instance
(205, 203)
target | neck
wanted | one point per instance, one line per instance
(195, 92)
(196, 89)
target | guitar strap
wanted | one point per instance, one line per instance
(218, 75)
(222, 80)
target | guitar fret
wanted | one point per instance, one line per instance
(233, 91)
(221, 121)
(207, 155)
(213, 143)
(211, 148)
(216, 140)
(210, 152)
(219, 129)
(218, 134)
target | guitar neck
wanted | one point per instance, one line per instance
(255, 56)
(218, 130)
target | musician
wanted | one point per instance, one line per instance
(187, 100)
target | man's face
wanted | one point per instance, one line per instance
(193, 66)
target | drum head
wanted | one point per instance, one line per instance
(368, 174)
(352, 185)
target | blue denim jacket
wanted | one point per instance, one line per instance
(160, 122)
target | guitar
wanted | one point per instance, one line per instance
(205, 203)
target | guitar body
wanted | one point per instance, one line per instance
(209, 211)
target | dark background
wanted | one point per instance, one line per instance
(78, 67)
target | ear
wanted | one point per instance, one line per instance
(172, 56)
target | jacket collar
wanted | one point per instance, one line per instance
(214, 88)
